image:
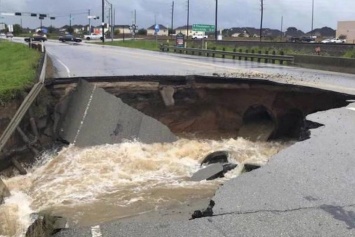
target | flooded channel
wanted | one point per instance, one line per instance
(109, 182)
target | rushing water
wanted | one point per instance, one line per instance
(102, 183)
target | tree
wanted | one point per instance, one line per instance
(17, 29)
(171, 31)
(116, 32)
(142, 32)
(70, 30)
(51, 29)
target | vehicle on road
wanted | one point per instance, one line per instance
(199, 36)
(9, 35)
(39, 38)
(93, 37)
(307, 39)
(69, 38)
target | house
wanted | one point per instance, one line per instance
(184, 29)
(123, 29)
(163, 31)
(346, 29)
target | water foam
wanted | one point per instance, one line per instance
(107, 182)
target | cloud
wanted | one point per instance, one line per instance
(231, 13)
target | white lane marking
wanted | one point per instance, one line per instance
(65, 66)
(351, 108)
(96, 231)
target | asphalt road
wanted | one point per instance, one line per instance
(83, 59)
(306, 190)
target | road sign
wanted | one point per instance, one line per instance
(156, 28)
(203, 27)
(11, 28)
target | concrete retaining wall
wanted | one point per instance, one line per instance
(346, 65)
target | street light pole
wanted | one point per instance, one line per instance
(103, 21)
(215, 23)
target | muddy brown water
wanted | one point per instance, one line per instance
(103, 183)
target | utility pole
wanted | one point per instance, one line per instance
(216, 22)
(312, 16)
(103, 21)
(69, 21)
(261, 20)
(172, 17)
(282, 22)
(89, 21)
(111, 23)
(135, 16)
(188, 19)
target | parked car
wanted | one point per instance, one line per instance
(93, 37)
(66, 38)
(338, 41)
(294, 39)
(9, 35)
(326, 41)
(199, 36)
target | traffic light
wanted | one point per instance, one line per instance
(34, 14)
(17, 13)
(43, 15)
(52, 18)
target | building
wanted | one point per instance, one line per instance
(123, 29)
(183, 30)
(163, 31)
(346, 29)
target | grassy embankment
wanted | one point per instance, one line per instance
(18, 65)
(138, 44)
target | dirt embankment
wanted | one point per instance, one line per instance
(33, 135)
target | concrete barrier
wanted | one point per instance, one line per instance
(95, 117)
(337, 64)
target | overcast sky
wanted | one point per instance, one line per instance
(231, 13)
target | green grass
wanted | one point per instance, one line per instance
(350, 54)
(138, 44)
(18, 65)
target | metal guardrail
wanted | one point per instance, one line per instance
(235, 55)
(15, 121)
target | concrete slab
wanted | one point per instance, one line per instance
(208, 172)
(4, 191)
(96, 117)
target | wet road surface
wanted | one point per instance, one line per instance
(81, 60)
(307, 189)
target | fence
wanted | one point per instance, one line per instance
(249, 56)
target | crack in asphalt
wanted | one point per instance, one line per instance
(325, 207)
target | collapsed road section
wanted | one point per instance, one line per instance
(158, 108)
(210, 107)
